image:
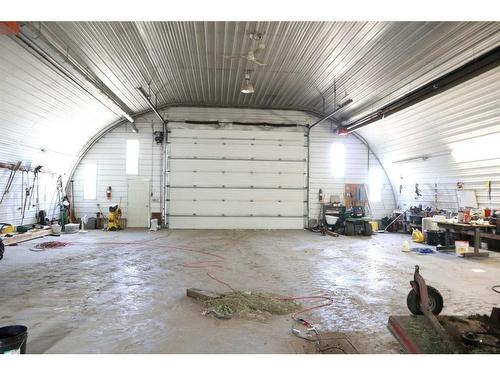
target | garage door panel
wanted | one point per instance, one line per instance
(236, 142)
(233, 208)
(236, 134)
(217, 179)
(235, 165)
(254, 180)
(238, 195)
(259, 152)
(236, 223)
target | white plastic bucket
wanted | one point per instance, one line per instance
(56, 228)
(461, 247)
(428, 223)
(331, 220)
(154, 224)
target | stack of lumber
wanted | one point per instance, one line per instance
(21, 237)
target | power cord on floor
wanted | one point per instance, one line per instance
(495, 288)
(310, 326)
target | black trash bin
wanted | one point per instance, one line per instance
(13, 339)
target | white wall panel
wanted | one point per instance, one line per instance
(239, 175)
(10, 209)
(44, 120)
(358, 161)
(418, 144)
(109, 156)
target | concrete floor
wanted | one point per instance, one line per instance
(124, 292)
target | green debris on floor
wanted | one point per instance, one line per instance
(248, 305)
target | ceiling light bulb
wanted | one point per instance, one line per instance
(247, 85)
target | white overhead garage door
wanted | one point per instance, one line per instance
(245, 178)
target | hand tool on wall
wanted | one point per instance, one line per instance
(12, 174)
(22, 190)
(35, 182)
(417, 191)
(72, 217)
(27, 194)
(488, 184)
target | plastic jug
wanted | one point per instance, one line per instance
(406, 246)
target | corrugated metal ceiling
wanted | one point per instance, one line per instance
(308, 62)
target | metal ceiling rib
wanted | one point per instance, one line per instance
(183, 62)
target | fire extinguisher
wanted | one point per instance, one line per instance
(321, 196)
(108, 193)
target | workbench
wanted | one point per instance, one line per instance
(477, 231)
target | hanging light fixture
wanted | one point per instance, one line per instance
(247, 87)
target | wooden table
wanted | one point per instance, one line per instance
(470, 230)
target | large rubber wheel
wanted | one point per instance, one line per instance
(349, 229)
(435, 301)
(368, 229)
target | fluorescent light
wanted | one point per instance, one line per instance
(422, 157)
(128, 117)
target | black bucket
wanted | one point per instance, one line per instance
(13, 339)
(435, 237)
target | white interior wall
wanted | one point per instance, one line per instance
(358, 161)
(109, 156)
(45, 120)
(420, 144)
(43, 115)
(10, 209)
(109, 152)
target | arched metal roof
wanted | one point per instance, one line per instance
(85, 75)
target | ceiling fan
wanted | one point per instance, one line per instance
(253, 55)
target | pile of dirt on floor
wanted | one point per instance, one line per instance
(249, 305)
